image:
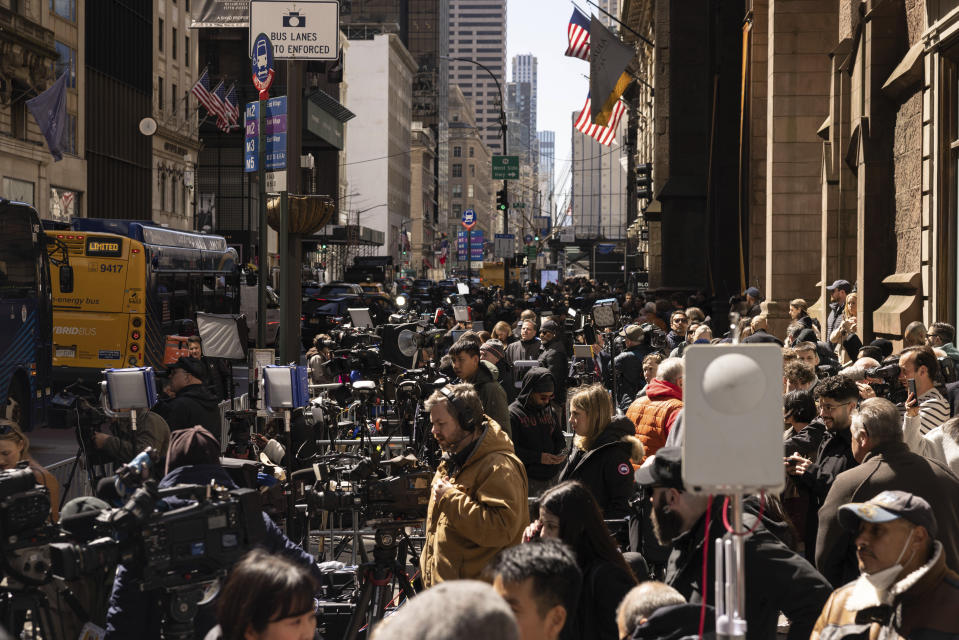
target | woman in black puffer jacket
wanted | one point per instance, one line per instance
(604, 451)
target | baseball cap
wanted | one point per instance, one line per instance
(634, 332)
(752, 291)
(495, 347)
(191, 365)
(664, 469)
(887, 506)
(840, 284)
(550, 325)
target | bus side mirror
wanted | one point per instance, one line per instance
(66, 279)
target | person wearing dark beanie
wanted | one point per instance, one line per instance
(193, 458)
(537, 433)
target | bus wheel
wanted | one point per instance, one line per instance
(17, 407)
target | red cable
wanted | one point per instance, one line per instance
(702, 609)
(762, 506)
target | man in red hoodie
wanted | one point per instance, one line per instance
(655, 413)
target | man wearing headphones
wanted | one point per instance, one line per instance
(478, 502)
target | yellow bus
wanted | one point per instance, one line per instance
(135, 295)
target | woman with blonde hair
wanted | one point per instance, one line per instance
(503, 332)
(804, 328)
(603, 450)
(15, 448)
(846, 333)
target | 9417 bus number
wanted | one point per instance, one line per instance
(110, 268)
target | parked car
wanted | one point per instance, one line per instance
(329, 307)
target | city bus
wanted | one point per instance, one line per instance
(136, 291)
(26, 313)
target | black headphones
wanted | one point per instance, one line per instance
(464, 414)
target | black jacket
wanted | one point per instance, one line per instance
(888, 466)
(604, 587)
(491, 394)
(217, 378)
(833, 319)
(629, 372)
(833, 457)
(137, 614)
(605, 469)
(535, 431)
(523, 350)
(673, 340)
(506, 379)
(762, 336)
(776, 578)
(194, 405)
(554, 358)
(677, 622)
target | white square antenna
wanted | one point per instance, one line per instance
(732, 418)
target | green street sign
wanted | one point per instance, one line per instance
(505, 167)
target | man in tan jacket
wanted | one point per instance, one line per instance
(478, 502)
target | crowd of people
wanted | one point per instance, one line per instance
(861, 542)
(534, 534)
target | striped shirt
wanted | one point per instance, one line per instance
(933, 410)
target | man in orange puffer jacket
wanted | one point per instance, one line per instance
(655, 413)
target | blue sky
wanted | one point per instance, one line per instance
(539, 27)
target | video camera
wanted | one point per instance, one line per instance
(164, 544)
(888, 386)
(380, 492)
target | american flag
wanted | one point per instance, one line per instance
(578, 33)
(222, 118)
(232, 106)
(603, 135)
(201, 91)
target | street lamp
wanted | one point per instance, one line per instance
(502, 125)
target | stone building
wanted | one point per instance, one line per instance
(470, 166)
(419, 257)
(39, 40)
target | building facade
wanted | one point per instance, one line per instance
(175, 145)
(477, 32)
(420, 256)
(379, 73)
(470, 167)
(598, 186)
(547, 156)
(39, 41)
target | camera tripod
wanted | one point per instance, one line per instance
(376, 577)
(16, 603)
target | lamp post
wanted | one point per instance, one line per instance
(502, 126)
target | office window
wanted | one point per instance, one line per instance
(472, 152)
(469, 191)
(162, 191)
(66, 63)
(457, 190)
(457, 171)
(66, 9)
(457, 152)
(173, 44)
(68, 144)
(186, 49)
(472, 170)
(160, 34)
(173, 96)
(160, 92)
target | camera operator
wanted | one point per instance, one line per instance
(193, 458)
(318, 356)
(629, 364)
(919, 366)
(468, 367)
(152, 431)
(217, 372)
(193, 404)
(15, 448)
(554, 358)
(478, 502)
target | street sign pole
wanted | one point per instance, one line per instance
(264, 262)
(469, 255)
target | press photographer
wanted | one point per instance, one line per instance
(193, 458)
(479, 487)
(15, 449)
(124, 444)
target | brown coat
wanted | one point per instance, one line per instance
(484, 513)
(929, 601)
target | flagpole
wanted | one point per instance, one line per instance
(617, 20)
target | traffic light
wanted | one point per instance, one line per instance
(644, 180)
(536, 238)
(502, 200)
